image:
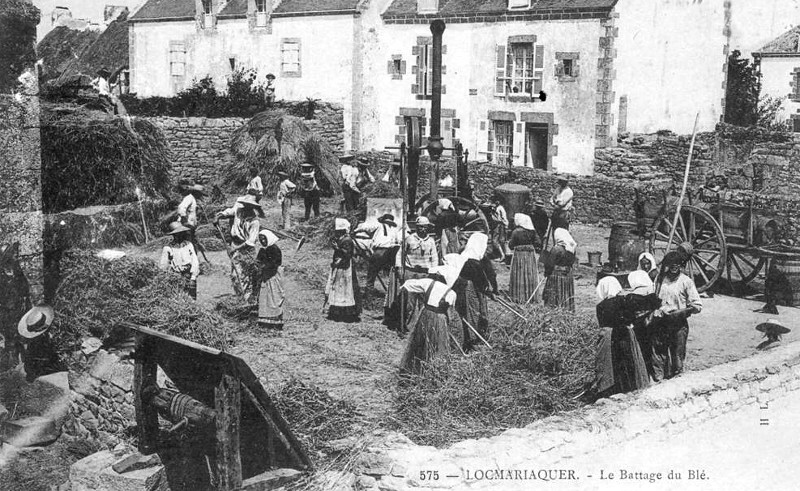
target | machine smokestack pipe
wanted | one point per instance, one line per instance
(435, 146)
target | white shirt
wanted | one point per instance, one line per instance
(349, 176)
(679, 294)
(383, 236)
(286, 187)
(500, 215)
(188, 210)
(255, 186)
(563, 198)
(440, 291)
(245, 230)
(420, 253)
(180, 258)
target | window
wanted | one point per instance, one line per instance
(232, 62)
(207, 7)
(262, 16)
(795, 95)
(519, 4)
(177, 59)
(397, 67)
(425, 70)
(501, 141)
(567, 66)
(519, 69)
(290, 57)
(261, 5)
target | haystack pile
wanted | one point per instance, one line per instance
(89, 158)
(274, 141)
(96, 294)
(534, 370)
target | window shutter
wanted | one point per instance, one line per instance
(500, 71)
(539, 63)
(421, 69)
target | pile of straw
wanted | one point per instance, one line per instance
(534, 370)
(95, 294)
(273, 141)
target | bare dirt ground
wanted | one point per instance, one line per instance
(359, 361)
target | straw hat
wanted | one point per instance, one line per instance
(346, 158)
(772, 326)
(249, 200)
(36, 321)
(177, 227)
(341, 224)
(194, 188)
(423, 222)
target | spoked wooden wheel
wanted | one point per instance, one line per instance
(697, 227)
(470, 217)
(744, 265)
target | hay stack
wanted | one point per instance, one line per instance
(273, 141)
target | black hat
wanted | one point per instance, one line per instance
(672, 258)
(388, 219)
(771, 326)
(346, 158)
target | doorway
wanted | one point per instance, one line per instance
(536, 143)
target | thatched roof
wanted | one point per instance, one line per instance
(109, 51)
(61, 46)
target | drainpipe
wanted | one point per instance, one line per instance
(435, 146)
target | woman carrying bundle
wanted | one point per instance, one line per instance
(525, 243)
(342, 283)
(271, 295)
(430, 336)
(559, 289)
(477, 280)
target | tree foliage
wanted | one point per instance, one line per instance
(18, 20)
(743, 89)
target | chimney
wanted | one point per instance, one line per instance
(427, 6)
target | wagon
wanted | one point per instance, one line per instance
(730, 241)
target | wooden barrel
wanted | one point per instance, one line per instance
(783, 281)
(515, 198)
(625, 245)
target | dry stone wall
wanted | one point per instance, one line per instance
(200, 146)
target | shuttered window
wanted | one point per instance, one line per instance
(290, 57)
(177, 59)
(519, 69)
(425, 70)
(500, 142)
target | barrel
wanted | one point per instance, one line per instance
(625, 245)
(782, 286)
(515, 197)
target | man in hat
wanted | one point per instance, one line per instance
(15, 299)
(540, 219)
(244, 237)
(383, 246)
(773, 330)
(562, 203)
(364, 175)
(39, 355)
(349, 174)
(187, 212)
(269, 90)
(310, 190)
(285, 192)
(679, 300)
(180, 257)
(255, 186)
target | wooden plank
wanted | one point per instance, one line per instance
(274, 430)
(170, 338)
(228, 407)
(144, 375)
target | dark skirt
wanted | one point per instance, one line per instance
(471, 306)
(524, 274)
(345, 292)
(559, 290)
(619, 364)
(429, 338)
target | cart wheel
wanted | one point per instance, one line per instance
(471, 218)
(743, 264)
(699, 228)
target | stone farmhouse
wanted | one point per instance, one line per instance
(780, 73)
(604, 66)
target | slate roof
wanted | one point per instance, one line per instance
(185, 9)
(165, 9)
(489, 7)
(787, 43)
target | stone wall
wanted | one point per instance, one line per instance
(200, 146)
(393, 462)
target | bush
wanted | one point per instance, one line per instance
(95, 294)
(18, 20)
(101, 162)
(534, 370)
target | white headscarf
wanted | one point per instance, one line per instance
(650, 258)
(451, 268)
(524, 221)
(444, 204)
(476, 246)
(341, 224)
(271, 237)
(562, 237)
(608, 287)
(640, 280)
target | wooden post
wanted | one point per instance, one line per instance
(228, 404)
(144, 375)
